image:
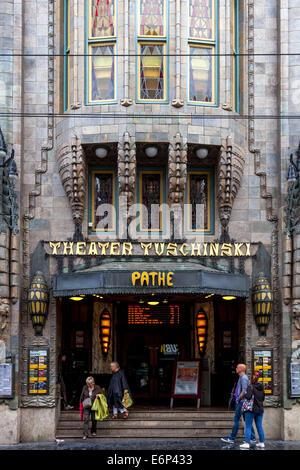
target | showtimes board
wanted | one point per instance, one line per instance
(38, 374)
(263, 363)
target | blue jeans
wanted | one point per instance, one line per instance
(258, 418)
(236, 424)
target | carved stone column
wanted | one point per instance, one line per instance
(229, 175)
(72, 171)
(127, 168)
(177, 169)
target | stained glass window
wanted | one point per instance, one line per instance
(151, 199)
(201, 74)
(102, 72)
(152, 72)
(67, 49)
(103, 215)
(102, 18)
(198, 199)
(201, 21)
(236, 57)
(152, 18)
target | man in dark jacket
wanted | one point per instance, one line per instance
(118, 384)
(256, 391)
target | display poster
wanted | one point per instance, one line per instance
(6, 379)
(263, 363)
(187, 379)
(38, 372)
(295, 378)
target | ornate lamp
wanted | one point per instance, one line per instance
(202, 329)
(105, 331)
(262, 298)
(38, 300)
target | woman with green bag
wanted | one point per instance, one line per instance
(87, 398)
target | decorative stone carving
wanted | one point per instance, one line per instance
(72, 170)
(127, 168)
(177, 169)
(229, 173)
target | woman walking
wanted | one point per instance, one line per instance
(87, 398)
(255, 390)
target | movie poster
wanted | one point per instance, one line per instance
(263, 363)
(38, 372)
(187, 378)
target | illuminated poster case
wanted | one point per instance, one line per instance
(38, 371)
(262, 361)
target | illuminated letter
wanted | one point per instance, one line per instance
(134, 277)
(144, 278)
(248, 249)
(237, 249)
(127, 248)
(81, 248)
(162, 247)
(146, 247)
(226, 249)
(170, 279)
(93, 249)
(115, 246)
(198, 249)
(68, 246)
(161, 279)
(172, 249)
(103, 247)
(153, 275)
(205, 249)
(184, 253)
(214, 249)
(55, 247)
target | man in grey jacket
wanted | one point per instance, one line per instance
(240, 391)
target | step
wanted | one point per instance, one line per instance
(138, 415)
(131, 424)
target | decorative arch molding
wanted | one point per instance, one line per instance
(230, 170)
(72, 171)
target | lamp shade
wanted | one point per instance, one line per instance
(38, 301)
(105, 331)
(201, 331)
(262, 298)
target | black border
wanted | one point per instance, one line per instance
(48, 371)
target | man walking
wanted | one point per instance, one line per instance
(240, 391)
(118, 385)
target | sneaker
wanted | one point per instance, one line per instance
(227, 439)
(69, 407)
(246, 445)
(84, 437)
(260, 444)
(253, 441)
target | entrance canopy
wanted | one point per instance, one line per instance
(143, 278)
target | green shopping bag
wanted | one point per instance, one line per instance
(126, 400)
(100, 407)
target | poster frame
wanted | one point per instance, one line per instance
(289, 361)
(272, 366)
(12, 362)
(187, 396)
(41, 348)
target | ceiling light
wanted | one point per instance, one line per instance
(76, 298)
(101, 152)
(209, 295)
(151, 151)
(228, 297)
(201, 153)
(165, 301)
(153, 302)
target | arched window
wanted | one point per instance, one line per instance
(152, 48)
(202, 63)
(102, 42)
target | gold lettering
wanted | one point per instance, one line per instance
(162, 247)
(127, 248)
(146, 247)
(194, 249)
(205, 249)
(226, 249)
(170, 279)
(214, 249)
(68, 246)
(103, 247)
(237, 249)
(161, 279)
(153, 275)
(144, 278)
(113, 247)
(184, 253)
(93, 249)
(172, 249)
(81, 248)
(248, 249)
(55, 247)
(134, 277)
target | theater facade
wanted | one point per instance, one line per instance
(146, 213)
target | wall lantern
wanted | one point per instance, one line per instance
(38, 300)
(202, 329)
(262, 298)
(105, 331)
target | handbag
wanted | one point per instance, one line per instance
(248, 404)
(87, 403)
(126, 400)
(100, 407)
